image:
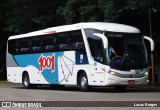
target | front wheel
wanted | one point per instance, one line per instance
(84, 82)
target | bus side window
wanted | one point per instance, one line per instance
(23, 46)
(80, 46)
(13, 46)
(62, 41)
(96, 48)
(76, 41)
(49, 43)
(36, 44)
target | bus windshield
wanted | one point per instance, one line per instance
(125, 51)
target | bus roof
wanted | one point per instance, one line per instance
(112, 27)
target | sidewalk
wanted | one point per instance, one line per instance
(3, 81)
(153, 86)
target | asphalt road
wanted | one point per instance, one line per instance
(16, 92)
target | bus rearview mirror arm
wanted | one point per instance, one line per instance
(104, 39)
(152, 56)
(105, 43)
(151, 42)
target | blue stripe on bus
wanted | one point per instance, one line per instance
(32, 59)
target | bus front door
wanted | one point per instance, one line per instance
(97, 73)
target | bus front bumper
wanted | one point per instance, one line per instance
(114, 80)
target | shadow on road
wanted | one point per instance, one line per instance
(76, 88)
(95, 89)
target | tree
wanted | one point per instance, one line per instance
(3, 40)
(99, 10)
(28, 15)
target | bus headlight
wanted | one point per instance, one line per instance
(146, 73)
(110, 80)
(113, 73)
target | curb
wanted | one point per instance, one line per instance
(4, 82)
(153, 86)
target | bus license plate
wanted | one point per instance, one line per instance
(131, 81)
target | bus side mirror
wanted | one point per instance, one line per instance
(151, 42)
(104, 39)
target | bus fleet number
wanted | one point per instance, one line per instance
(46, 62)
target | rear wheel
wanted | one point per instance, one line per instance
(83, 82)
(26, 82)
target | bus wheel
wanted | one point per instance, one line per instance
(84, 82)
(26, 81)
(120, 88)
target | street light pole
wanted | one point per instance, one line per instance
(150, 22)
(152, 55)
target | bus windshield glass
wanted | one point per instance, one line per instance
(125, 51)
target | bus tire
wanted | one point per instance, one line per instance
(84, 82)
(120, 88)
(26, 81)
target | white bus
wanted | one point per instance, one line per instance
(84, 54)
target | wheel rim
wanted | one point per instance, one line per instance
(26, 81)
(83, 82)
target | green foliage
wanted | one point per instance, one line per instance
(99, 10)
(2, 14)
(28, 15)
(68, 12)
(138, 4)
